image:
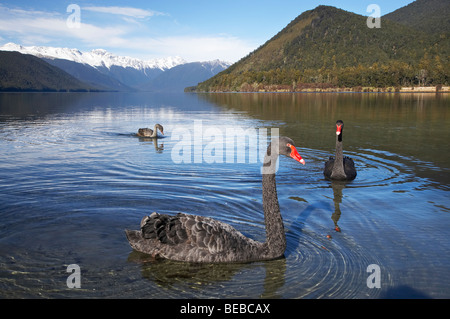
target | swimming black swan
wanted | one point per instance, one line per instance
(340, 168)
(148, 132)
(192, 238)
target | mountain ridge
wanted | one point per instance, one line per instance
(18, 73)
(106, 71)
(89, 75)
(94, 58)
(422, 15)
(329, 47)
(185, 75)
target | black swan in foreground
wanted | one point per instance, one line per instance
(148, 132)
(192, 238)
(340, 168)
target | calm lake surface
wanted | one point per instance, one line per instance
(74, 177)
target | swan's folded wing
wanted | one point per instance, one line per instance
(166, 229)
(328, 167)
(349, 168)
(195, 231)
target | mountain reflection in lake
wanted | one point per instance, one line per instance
(74, 176)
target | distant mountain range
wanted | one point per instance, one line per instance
(24, 72)
(181, 76)
(330, 48)
(95, 58)
(102, 70)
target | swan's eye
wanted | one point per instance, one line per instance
(288, 148)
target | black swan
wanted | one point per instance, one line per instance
(192, 238)
(148, 132)
(341, 167)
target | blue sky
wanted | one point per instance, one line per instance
(196, 30)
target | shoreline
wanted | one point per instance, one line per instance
(279, 89)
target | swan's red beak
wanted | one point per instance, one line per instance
(338, 129)
(295, 155)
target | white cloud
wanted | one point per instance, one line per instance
(50, 28)
(46, 29)
(199, 48)
(126, 11)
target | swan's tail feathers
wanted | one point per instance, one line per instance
(134, 238)
(144, 220)
(141, 244)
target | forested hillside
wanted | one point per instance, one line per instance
(431, 16)
(328, 47)
(23, 72)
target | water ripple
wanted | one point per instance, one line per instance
(71, 184)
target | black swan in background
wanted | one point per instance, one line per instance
(340, 168)
(148, 132)
(192, 238)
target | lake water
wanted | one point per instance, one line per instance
(74, 176)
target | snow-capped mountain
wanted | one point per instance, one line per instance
(215, 65)
(184, 75)
(104, 70)
(94, 58)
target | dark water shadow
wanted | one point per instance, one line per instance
(159, 147)
(337, 187)
(404, 292)
(175, 275)
(299, 222)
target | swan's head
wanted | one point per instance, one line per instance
(287, 147)
(282, 145)
(160, 127)
(339, 127)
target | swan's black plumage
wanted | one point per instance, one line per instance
(148, 132)
(195, 238)
(340, 167)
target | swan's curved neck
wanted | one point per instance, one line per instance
(339, 149)
(155, 133)
(338, 167)
(275, 236)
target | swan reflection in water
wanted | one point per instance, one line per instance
(337, 187)
(205, 277)
(159, 147)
